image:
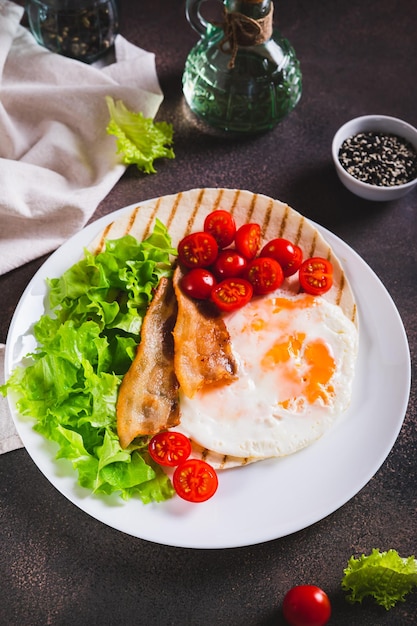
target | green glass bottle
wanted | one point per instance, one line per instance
(242, 76)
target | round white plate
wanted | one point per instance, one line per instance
(266, 500)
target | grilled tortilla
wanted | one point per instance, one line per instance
(184, 212)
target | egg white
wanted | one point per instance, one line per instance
(286, 394)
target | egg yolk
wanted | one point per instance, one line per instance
(303, 366)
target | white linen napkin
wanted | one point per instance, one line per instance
(57, 161)
(9, 439)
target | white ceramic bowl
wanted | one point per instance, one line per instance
(373, 123)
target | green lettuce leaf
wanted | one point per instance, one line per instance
(86, 344)
(384, 575)
(140, 140)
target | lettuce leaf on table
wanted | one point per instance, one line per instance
(85, 346)
(139, 139)
(385, 576)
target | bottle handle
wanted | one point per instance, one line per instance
(194, 17)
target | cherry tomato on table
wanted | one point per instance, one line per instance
(288, 255)
(264, 274)
(198, 283)
(222, 226)
(248, 240)
(195, 480)
(229, 263)
(232, 293)
(198, 250)
(306, 605)
(169, 448)
(316, 276)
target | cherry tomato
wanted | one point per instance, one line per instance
(195, 480)
(169, 448)
(264, 274)
(229, 263)
(198, 250)
(306, 605)
(288, 255)
(198, 283)
(222, 226)
(232, 293)
(248, 240)
(316, 275)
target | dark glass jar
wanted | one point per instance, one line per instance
(80, 29)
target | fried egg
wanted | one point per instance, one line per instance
(296, 359)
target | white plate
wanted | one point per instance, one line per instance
(273, 498)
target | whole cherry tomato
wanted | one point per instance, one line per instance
(198, 283)
(229, 263)
(198, 250)
(306, 605)
(232, 293)
(222, 226)
(248, 240)
(316, 276)
(169, 448)
(264, 274)
(195, 480)
(288, 255)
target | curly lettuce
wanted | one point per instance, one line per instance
(85, 346)
(385, 576)
(140, 140)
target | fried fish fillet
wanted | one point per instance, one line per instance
(202, 347)
(148, 396)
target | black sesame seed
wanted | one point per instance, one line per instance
(379, 159)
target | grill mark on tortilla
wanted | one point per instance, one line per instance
(354, 313)
(313, 245)
(233, 200)
(283, 223)
(340, 290)
(173, 210)
(101, 244)
(252, 207)
(299, 231)
(217, 202)
(267, 216)
(147, 230)
(132, 219)
(194, 212)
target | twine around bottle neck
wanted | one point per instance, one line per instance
(241, 30)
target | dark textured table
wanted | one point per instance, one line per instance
(59, 566)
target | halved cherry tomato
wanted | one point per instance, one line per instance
(229, 263)
(306, 605)
(195, 480)
(248, 240)
(232, 293)
(198, 283)
(198, 250)
(288, 255)
(169, 448)
(222, 226)
(316, 275)
(264, 274)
